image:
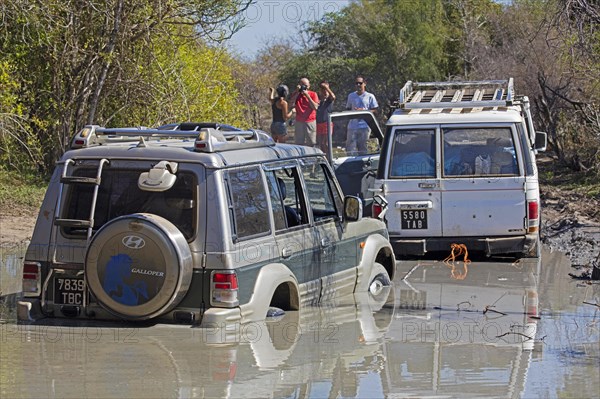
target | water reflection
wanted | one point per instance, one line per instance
(471, 335)
(429, 335)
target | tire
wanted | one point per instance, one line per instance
(138, 266)
(378, 280)
(379, 288)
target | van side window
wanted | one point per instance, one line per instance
(322, 193)
(479, 152)
(286, 198)
(413, 153)
(249, 202)
(528, 159)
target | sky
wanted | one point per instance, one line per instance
(278, 19)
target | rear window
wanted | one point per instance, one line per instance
(413, 154)
(479, 152)
(119, 195)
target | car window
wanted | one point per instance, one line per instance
(119, 195)
(413, 153)
(285, 190)
(528, 159)
(322, 194)
(479, 152)
(277, 193)
(249, 202)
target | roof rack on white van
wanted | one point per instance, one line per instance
(465, 94)
(206, 139)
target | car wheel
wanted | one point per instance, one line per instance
(138, 266)
(379, 279)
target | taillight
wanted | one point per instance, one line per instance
(224, 288)
(533, 216)
(32, 277)
(377, 209)
(532, 303)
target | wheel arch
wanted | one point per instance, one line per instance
(386, 258)
(377, 249)
(275, 285)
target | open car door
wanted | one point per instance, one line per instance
(355, 171)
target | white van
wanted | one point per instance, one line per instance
(458, 166)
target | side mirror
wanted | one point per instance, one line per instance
(353, 208)
(541, 141)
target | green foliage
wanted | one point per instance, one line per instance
(387, 41)
(18, 190)
(20, 149)
(74, 63)
(550, 47)
(183, 80)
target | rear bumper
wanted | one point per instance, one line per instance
(488, 245)
(30, 310)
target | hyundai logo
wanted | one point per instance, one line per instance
(133, 242)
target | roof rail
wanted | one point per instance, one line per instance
(459, 94)
(206, 139)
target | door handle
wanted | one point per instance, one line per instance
(427, 185)
(286, 253)
(325, 242)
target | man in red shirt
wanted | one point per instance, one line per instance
(306, 103)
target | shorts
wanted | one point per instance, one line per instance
(305, 133)
(278, 129)
(321, 128)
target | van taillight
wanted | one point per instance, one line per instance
(32, 277)
(533, 216)
(224, 288)
(377, 209)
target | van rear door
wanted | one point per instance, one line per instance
(483, 185)
(412, 186)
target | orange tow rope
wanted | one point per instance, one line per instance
(456, 251)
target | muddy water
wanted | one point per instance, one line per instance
(11, 269)
(485, 329)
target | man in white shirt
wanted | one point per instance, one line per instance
(358, 130)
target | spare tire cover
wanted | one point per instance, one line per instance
(138, 266)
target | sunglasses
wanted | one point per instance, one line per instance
(359, 83)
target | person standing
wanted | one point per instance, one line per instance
(306, 103)
(358, 130)
(326, 97)
(279, 107)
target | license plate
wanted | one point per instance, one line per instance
(414, 219)
(68, 291)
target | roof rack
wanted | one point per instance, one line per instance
(465, 94)
(206, 139)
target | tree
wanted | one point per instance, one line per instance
(253, 78)
(551, 48)
(76, 62)
(387, 41)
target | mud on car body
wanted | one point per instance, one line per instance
(195, 223)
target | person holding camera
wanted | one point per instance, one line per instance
(306, 103)
(358, 130)
(326, 97)
(279, 107)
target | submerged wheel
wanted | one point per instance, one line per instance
(378, 280)
(138, 266)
